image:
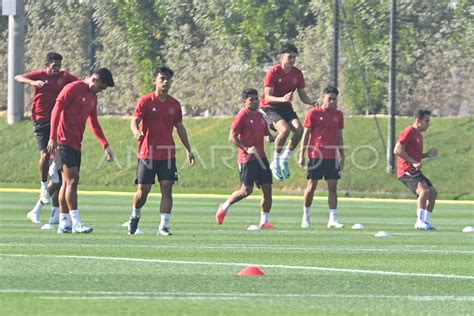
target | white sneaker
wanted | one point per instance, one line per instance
(44, 195)
(81, 228)
(53, 173)
(305, 222)
(64, 229)
(335, 224)
(419, 225)
(164, 231)
(33, 217)
(54, 218)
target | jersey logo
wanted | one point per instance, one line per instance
(153, 109)
(46, 81)
(320, 118)
(279, 79)
(251, 121)
(171, 111)
(83, 99)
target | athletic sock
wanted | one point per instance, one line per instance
(276, 156)
(419, 215)
(75, 216)
(38, 207)
(225, 206)
(136, 212)
(165, 218)
(333, 215)
(264, 217)
(287, 154)
(427, 217)
(307, 211)
(54, 214)
(44, 185)
(64, 220)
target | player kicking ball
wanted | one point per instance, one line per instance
(248, 131)
(409, 149)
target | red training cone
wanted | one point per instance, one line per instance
(251, 271)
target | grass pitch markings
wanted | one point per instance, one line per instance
(239, 264)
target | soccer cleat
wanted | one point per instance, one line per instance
(431, 227)
(44, 195)
(133, 225)
(419, 225)
(285, 168)
(335, 224)
(33, 217)
(64, 230)
(305, 222)
(220, 215)
(276, 170)
(81, 228)
(54, 218)
(267, 225)
(164, 231)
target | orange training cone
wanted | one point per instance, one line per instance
(251, 271)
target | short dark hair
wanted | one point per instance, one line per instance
(164, 71)
(50, 56)
(288, 48)
(421, 113)
(331, 89)
(105, 76)
(248, 92)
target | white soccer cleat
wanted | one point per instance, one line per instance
(164, 231)
(81, 228)
(305, 222)
(335, 224)
(44, 195)
(33, 217)
(419, 225)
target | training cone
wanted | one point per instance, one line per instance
(251, 271)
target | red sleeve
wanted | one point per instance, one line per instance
(237, 123)
(341, 120)
(309, 119)
(301, 83)
(96, 128)
(269, 81)
(179, 114)
(62, 101)
(34, 75)
(405, 136)
(140, 109)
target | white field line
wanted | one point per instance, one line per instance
(282, 248)
(67, 294)
(223, 196)
(237, 264)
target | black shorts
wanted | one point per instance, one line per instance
(42, 130)
(147, 169)
(255, 171)
(273, 114)
(70, 157)
(412, 179)
(327, 169)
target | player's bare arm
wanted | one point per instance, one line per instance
(34, 83)
(234, 139)
(304, 144)
(277, 100)
(400, 151)
(135, 127)
(340, 144)
(183, 136)
(306, 99)
(433, 152)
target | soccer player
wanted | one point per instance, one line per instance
(323, 138)
(76, 104)
(248, 131)
(158, 113)
(280, 83)
(409, 149)
(47, 83)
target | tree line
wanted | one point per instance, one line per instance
(219, 47)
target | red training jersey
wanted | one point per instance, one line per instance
(412, 140)
(282, 83)
(324, 125)
(252, 129)
(45, 97)
(74, 105)
(158, 119)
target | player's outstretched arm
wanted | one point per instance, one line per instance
(306, 99)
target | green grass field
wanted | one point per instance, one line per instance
(194, 272)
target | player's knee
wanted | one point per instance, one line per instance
(246, 192)
(284, 132)
(299, 131)
(433, 193)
